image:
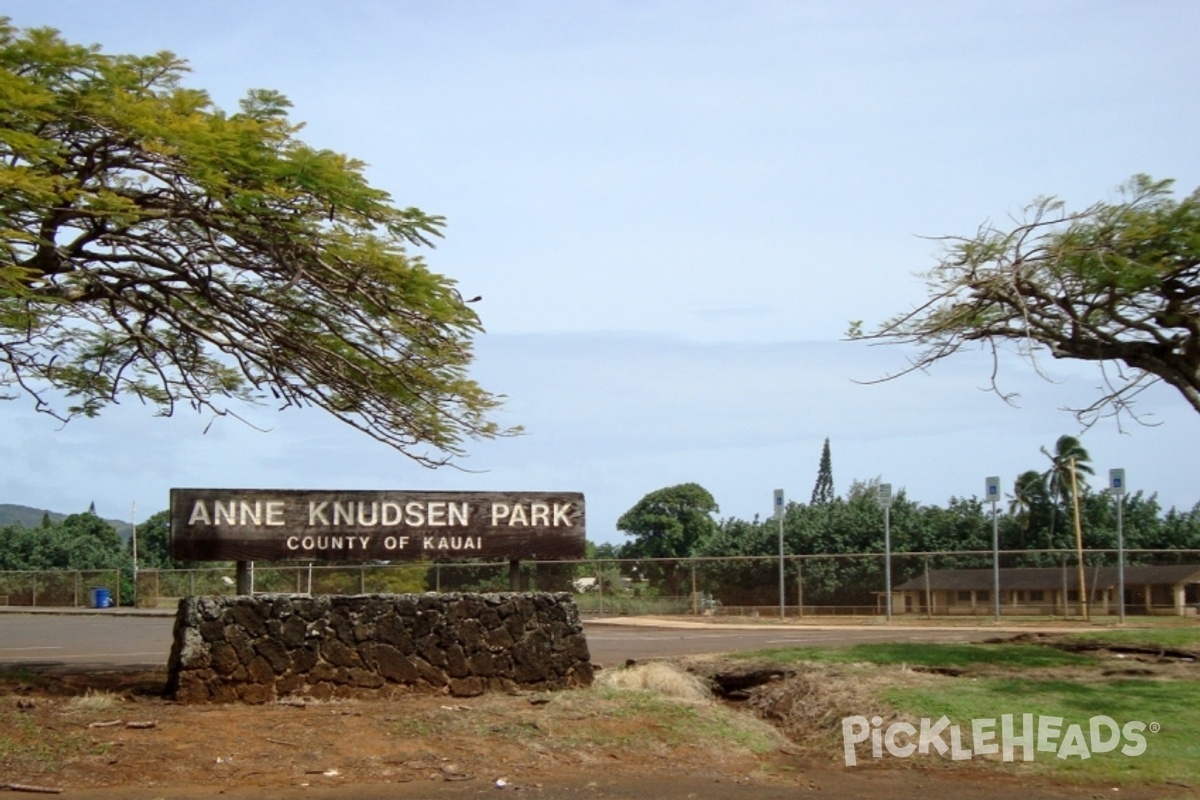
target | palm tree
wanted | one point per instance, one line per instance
(1058, 477)
(1029, 501)
(1064, 484)
(1061, 487)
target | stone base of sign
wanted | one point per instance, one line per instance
(262, 648)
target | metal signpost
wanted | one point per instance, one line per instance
(883, 496)
(992, 493)
(133, 537)
(779, 509)
(1116, 487)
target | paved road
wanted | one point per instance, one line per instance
(85, 640)
(105, 640)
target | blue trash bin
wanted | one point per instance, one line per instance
(100, 597)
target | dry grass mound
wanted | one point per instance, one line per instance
(93, 701)
(660, 677)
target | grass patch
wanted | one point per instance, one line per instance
(1016, 656)
(657, 722)
(29, 749)
(1172, 753)
(653, 708)
(1067, 685)
(19, 676)
(1182, 638)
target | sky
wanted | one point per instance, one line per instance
(673, 210)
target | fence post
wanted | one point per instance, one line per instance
(800, 586)
(1065, 597)
(695, 599)
(928, 594)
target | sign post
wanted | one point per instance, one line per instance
(992, 492)
(779, 512)
(1116, 487)
(883, 496)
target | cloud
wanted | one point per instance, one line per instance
(617, 415)
(728, 187)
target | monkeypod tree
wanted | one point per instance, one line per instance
(1117, 284)
(157, 247)
(669, 522)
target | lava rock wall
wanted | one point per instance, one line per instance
(261, 648)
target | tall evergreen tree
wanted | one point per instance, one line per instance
(823, 489)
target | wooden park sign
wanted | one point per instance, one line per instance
(301, 525)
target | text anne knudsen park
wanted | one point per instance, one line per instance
(288, 525)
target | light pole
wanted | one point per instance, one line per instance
(883, 496)
(1116, 487)
(992, 490)
(779, 509)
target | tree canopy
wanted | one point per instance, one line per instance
(79, 541)
(669, 522)
(157, 247)
(1117, 284)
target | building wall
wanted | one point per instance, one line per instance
(1150, 600)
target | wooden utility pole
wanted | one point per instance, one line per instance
(1083, 603)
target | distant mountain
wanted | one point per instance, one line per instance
(32, 517)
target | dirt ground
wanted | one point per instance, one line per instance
(112, 735)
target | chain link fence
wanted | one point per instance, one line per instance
(60, 588)
(1042, 583)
